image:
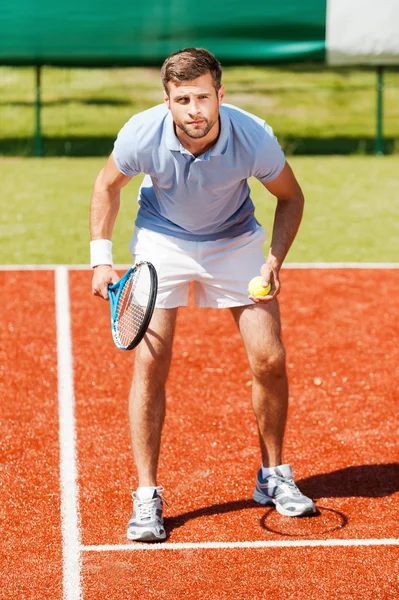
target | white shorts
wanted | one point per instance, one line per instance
(220, 269)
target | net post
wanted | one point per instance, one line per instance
(38, 150)
(379, 141)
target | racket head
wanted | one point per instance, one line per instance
(132, 302)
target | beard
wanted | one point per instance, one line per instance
(197, 131)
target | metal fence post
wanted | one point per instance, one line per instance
(38, 149)
(379, 142)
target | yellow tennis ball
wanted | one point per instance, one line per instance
(255, 287)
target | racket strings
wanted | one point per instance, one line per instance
(131, 309)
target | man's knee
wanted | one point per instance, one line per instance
(269, 364)
(153, 362)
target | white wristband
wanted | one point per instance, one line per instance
(101, 252)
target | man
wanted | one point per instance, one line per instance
(196, 223)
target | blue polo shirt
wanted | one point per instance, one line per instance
(197, 198)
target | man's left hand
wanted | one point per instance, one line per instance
(269, 274)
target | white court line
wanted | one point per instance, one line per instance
(288, 265)
(255, 544)
(55, 267)
(68, 472)
(341, 265)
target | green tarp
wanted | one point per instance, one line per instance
(104, 33)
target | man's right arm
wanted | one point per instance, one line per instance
(104, 209)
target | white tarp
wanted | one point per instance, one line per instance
(362, 32)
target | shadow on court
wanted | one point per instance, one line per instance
(369, 481)
(207, 511)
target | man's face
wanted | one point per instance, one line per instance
(194, 105)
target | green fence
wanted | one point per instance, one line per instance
(313, 109)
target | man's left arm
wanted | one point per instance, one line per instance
(287, 218)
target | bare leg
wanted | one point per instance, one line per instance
(147, 394)
(260, 328)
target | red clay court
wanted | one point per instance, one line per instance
(67, 473)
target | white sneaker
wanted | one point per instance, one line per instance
(146, 523)
(280, 489)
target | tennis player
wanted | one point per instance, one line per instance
(196, 223)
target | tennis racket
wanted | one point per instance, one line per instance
(132, 301)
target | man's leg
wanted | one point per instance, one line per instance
(260, 330)
(146, 415)
(147, 394)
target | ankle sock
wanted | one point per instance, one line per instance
(266, 471)
(145, 492)
(281, 470)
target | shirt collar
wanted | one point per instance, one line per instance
(225, 126)
(171, 139)
(173, 143)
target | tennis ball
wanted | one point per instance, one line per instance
(255, 287)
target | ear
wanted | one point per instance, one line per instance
(166, 100)
(221, 94)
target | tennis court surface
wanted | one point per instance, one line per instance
(67, 473)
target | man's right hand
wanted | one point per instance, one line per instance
(103, 275)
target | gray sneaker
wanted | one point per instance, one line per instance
(280, 489)
(146, 523)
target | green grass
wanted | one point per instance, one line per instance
(351, 203)
(352, 213)
(313, 109)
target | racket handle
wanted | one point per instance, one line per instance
(114, 289)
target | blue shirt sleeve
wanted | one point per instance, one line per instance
(125, 150)
(270, 159)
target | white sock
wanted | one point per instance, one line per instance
(266, 471)
(284, 470)
(145, 492)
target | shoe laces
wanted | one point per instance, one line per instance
(288, 483)
(146, 509)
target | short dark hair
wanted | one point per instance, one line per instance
(188, 64)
